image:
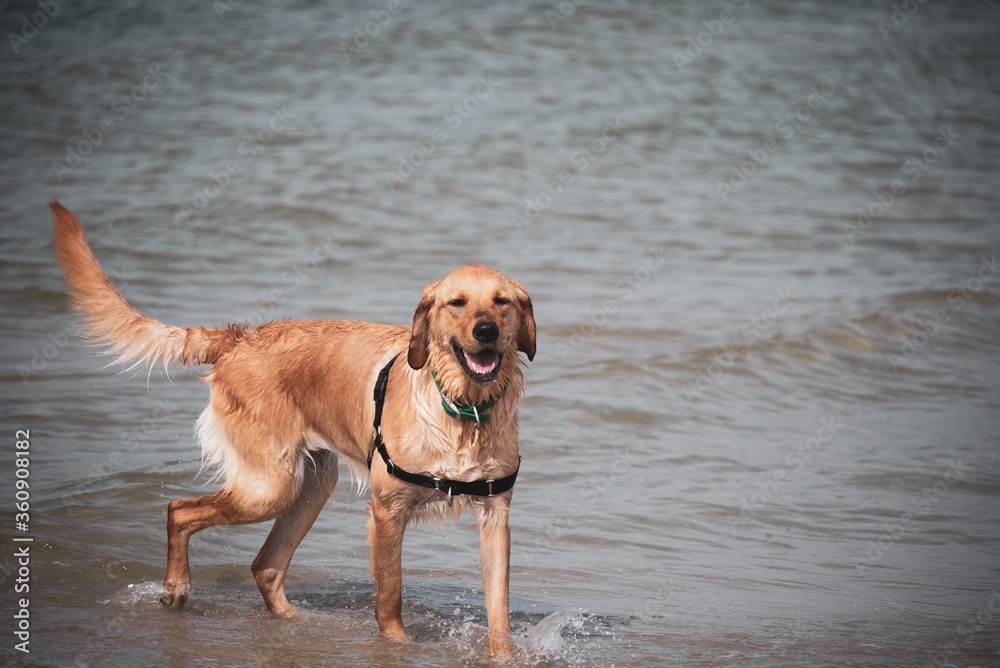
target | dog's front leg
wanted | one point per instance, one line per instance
(494, 561)
(385, 533)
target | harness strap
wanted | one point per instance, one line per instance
(452, 487)
(379, 395)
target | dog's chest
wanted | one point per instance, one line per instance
(461, 451)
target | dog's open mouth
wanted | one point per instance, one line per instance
(482, 367)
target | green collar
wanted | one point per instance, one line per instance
(473, 413)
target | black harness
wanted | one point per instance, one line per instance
(452, 487)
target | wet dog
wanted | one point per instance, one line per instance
(289, 398)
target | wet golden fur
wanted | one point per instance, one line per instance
(288, 398)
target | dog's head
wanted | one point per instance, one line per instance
(468, 322)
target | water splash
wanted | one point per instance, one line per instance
(134, 594)
(546, 637)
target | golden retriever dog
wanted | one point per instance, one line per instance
(289, 397)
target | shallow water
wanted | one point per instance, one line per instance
(761, 428)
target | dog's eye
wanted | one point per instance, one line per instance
(501, 301)
(457, 302)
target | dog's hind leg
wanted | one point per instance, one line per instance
(229, 505)
(288, 531)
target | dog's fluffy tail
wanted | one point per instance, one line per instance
(111, 322)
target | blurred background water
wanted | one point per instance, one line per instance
(761, 238)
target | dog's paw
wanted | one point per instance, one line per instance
(397, 636)
(288, 612)
(500, 643)
(175, 595)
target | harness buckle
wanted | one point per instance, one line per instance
(451, 499)
(489, 486)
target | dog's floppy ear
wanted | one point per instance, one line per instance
(417, 354)
(526, 334)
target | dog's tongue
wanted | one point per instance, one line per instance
(483, 362)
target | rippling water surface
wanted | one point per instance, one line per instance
(761, 427)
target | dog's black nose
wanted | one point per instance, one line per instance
(486, 331)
